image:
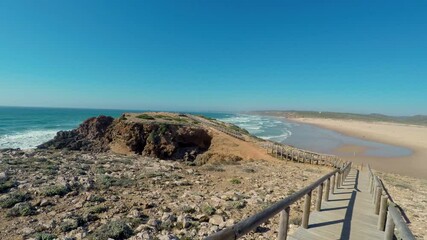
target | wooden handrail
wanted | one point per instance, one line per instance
(383, 204)
(243, 227)
(296, 154)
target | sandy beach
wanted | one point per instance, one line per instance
(409, 136)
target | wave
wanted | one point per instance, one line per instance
(27, 139)
(278, 138)
(264, 127)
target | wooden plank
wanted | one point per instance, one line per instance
(347, 215)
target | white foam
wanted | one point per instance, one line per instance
(260, 125)
(277, 138)
(26, 140)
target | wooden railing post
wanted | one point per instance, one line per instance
(276, 150)
(327, 190)
(284, 224)
(378, 200)
(375, 193)
(383, 213)
(281, 152)
(338, 180)
(306, 213)
(389, 228)
(319, 197)
(333, 184)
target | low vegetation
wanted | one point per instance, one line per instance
(235, 181)
(55, 190)
(105, 182)
(145, 117)
(14, 198)
(238, 129)
(44, 236)
(116, 230)
(21, 209)
(123, 196)
(6, 185)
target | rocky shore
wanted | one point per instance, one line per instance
(143, 176)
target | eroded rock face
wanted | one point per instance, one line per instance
(165, 141)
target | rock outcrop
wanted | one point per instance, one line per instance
(165, 140)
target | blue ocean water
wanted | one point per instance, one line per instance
(29, 127)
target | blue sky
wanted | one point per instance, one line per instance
(348, 56)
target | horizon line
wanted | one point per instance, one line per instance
(207, 111)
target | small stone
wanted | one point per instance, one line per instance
(3, 176)
(169, 216)
(27, 230)
(135, 213)
(168, 237)
(45, 202)
(154, 223)
(229, 222)
(202, 218)
(216, 220)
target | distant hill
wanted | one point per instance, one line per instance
(415, 120)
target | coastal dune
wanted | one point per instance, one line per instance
(410, 136)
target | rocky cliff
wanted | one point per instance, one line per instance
(165, 137)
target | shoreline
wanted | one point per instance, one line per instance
(408, 136)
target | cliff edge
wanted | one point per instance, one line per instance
(162, 135)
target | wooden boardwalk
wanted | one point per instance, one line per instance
(349, 213)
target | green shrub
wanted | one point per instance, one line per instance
(208, 210)
(22, 209)
(44, 236)
(117, 230)
(163, 128)
(105, 182)
(14, 198)
(72, 222)
(6, 185)
(238, 129)
(235, 181)
(145, 117)
(152, 137)
(100, 170)
(60, 190)
(162, 116)
(238, 204)
(68, 226)
(207, 118)
(96, 198)
(98, 209)
(188, 209)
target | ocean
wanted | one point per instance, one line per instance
(26, 128)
